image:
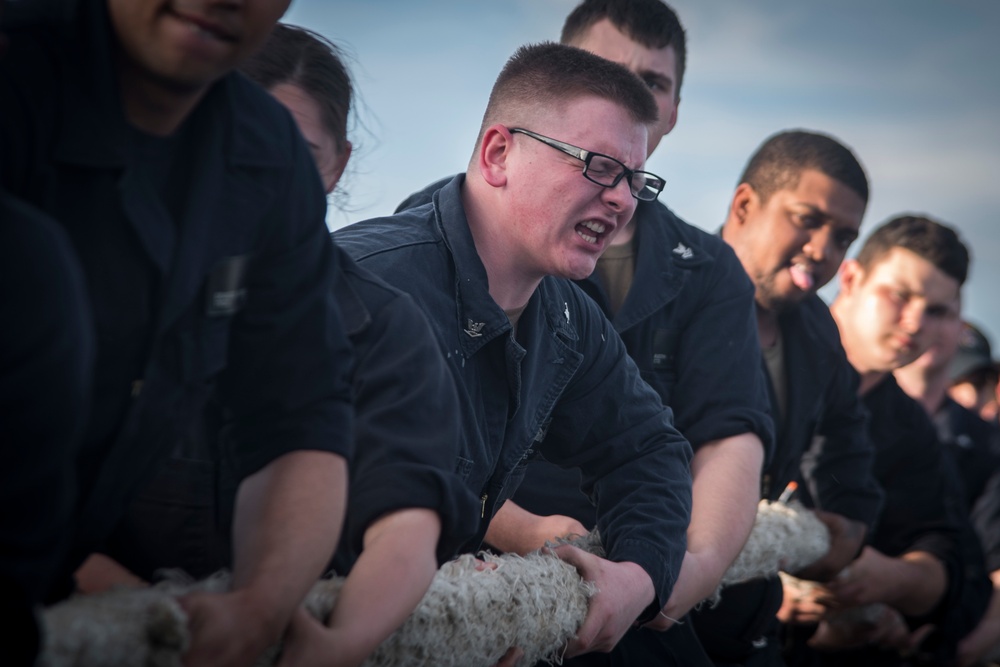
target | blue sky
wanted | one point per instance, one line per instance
(913, 86)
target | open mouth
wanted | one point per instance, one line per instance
(592, 231)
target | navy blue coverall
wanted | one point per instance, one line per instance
(923, 511)
(46, 361)
(209, 264)
(564, 386)
(823, 441)
(407, 432)
(688, 323)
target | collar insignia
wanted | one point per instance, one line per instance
(475, 329)
(684, 251)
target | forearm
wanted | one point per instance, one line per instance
(920, 583)
(100, 573)
(508, 529)
(984, 640)
(387, 582)
(514, 529)
(287, 522)
(725, 492)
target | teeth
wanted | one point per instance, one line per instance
(587, 237)
(595, 226)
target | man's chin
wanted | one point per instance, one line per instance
(780, 303)
(577, 270)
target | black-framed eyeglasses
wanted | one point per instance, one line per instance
(604, 169)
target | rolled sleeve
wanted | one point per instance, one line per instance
(408, 430)
(634, 463)
(286, 384)
(838, 466)
(721, 386)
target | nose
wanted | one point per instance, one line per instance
(818, 247)
(913, 317)
(619, 198)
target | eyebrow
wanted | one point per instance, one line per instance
(815, 210)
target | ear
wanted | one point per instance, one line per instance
(851, 276)
(745, 202)
(338, 169)
(494, 151)
(673, 118)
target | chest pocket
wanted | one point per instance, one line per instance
(463, 467)
(224, 296)
(225, 287)
(660, 370)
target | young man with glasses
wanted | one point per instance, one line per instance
(684, 308)
(604, 169)
(491, 258)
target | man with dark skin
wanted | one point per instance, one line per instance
(796, 210)
(169, 174)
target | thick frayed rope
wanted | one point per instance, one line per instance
(468, 618)
(785, 537)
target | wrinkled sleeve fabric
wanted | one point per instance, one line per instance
(922, 505)
(407, 429)
(923, 502)
(720, 387)
(839, 465)
(286, 383)
(634, 463)
(25, 108)
(986, 520)
(46, 361)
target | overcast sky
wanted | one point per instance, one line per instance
(913, 86)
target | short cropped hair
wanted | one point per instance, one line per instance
(306, 59)
(651, 23)
(781, 159)
(549, 75)
(937, 243)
